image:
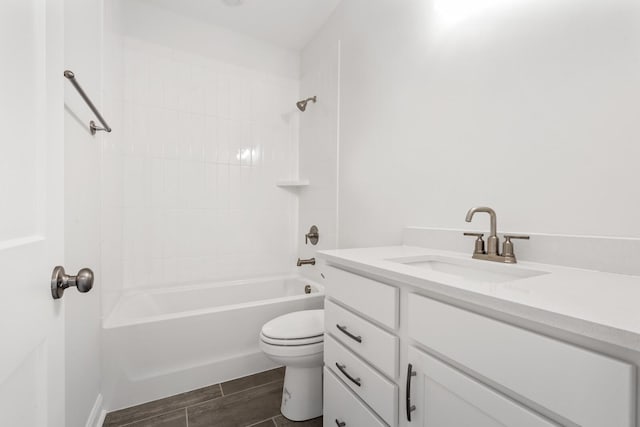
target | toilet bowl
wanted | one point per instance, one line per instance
(296, 340)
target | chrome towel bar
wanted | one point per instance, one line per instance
(92, 125)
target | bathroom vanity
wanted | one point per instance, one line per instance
(425, 337)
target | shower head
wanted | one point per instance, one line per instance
(302, 105)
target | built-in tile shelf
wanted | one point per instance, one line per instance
(293, 183)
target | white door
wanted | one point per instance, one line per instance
(442, 396)
(31, 213)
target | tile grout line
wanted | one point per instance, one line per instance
(232, 394)
(274, 421)
(173, 410)
(256, 386)
(128, 423)
(259, 422)
(195, 404)
(248, 376)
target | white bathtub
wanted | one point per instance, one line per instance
(166, 341)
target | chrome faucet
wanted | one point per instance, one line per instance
(310, 261)
(493, 242)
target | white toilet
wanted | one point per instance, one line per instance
(296, 340)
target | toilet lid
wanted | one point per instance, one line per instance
(295, 326)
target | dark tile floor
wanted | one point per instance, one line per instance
(250, 401)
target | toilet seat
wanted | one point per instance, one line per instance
(292, 342)
(292, 351)
(295, 329)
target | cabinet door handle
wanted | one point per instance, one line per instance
(340, 423)
(343, 329)
(343, 369)
(410, 407)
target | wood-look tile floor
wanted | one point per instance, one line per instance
(250, 401)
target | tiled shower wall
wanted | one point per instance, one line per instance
(203, 142)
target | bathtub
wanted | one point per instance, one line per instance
(161, 342)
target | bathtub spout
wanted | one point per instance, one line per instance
(310, 261)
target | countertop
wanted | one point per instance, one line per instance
(602, 306)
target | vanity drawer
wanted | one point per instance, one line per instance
(342, 406)
(372, 387)
(587, 388)
(369, 297)
(370, 342)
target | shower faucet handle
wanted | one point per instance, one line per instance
(312, 236)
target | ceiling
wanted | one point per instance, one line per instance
(287, 23)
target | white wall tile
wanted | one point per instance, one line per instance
(210, 139)
(225, 145)
(203, 149)
(224, 95)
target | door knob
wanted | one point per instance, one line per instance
(61, 281)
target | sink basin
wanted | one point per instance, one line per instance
(470, 269)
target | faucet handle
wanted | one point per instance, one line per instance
(479, 244)
(474, 234)
(312, 236)
(507, 247)
(516, 236)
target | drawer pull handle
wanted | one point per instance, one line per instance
(343, 329)
(340, 423)
(342, 369)
(410, 407)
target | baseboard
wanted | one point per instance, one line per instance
(97, 414)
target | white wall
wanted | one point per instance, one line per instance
(145, 20)
(208, 127)
(83, 55)
(526, 106)
(113, 149)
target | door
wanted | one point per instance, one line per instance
(445, 397)
(31, 215)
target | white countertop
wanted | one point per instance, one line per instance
(602, 306)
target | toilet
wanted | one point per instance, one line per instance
(296, 340)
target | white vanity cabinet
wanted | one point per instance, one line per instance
(360, 351)
(405, 359)
(581, 386)
(441, 396)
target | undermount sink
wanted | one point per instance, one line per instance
(470, 270)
